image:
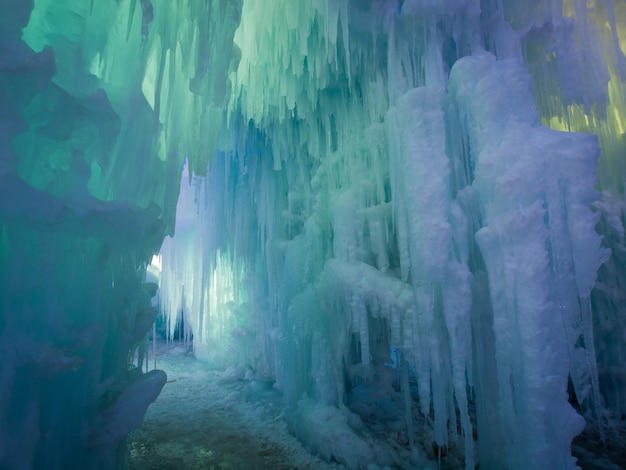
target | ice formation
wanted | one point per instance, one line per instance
(410, 198)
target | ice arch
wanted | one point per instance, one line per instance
(446, 178)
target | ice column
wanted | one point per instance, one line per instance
(526, 177)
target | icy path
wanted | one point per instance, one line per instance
(203, 421)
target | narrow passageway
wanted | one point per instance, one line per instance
(206, 419)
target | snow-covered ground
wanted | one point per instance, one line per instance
(594, 454)
(206, 419)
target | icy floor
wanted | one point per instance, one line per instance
(207, 419)
(204, 420)
(594, 454)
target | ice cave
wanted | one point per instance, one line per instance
(407, 217)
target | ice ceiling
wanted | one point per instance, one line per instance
(411, 198)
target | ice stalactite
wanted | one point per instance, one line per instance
(527, 196)
(593, 103)
(203, 289)
(407, 196)
(389, 208)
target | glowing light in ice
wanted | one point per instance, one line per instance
(156, 261)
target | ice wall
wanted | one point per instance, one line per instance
(388, 207)
(90, 162)
(425, 177)
(581, 89)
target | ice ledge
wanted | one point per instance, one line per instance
(127, 412)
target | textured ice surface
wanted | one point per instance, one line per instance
(126, 412)
(391, 181)
(89, 177)
(440, 179)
